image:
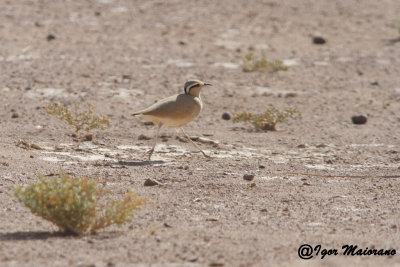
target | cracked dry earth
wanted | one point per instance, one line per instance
(317, 180)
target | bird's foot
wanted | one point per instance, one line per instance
(206, 156)
(150, 152)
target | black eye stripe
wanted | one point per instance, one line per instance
(189, 85)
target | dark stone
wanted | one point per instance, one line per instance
(376, 83)
(226, 116)
(143, 137)
(248, 177)
(318, 40)
(51, 37)
(151, 182)
(359, 119)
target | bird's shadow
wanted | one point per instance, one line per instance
(140, 163)
(37, 235)
(393, 41)
(44, 235)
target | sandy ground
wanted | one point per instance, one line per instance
(318, 180)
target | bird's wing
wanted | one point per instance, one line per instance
(167, 107)
(176, 107)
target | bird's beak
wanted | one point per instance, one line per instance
(207, 84)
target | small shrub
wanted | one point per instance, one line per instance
(267, 121)
(251, 63)
(75, 205)
(84, 120)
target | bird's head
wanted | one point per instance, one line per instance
(193, 87)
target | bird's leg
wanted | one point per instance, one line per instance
(155, 140)
(190, 140)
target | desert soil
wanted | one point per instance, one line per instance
(318, 180)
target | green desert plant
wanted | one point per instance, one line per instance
(252, 63)
(83, 120)
(77, 205)
(267, 121)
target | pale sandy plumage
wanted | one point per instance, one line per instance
(175, 111)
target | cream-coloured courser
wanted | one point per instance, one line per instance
(176, 111)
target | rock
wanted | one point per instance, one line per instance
(301, 146)
(15, 115)
(318, 40)
(261, 167)
(248, 177)
(359, 119)
(290, 94)
(182, 43)
(51, 37)
(143, 137)
(88, 137)
(151, 182)
(226, 116)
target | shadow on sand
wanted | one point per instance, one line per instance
(140, 163)
(32, 235)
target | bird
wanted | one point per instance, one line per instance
(175, 111)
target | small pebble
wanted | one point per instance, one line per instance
(226, 116)
(89, 137)
(359, 119)
(51, 37)
(261, 167)
(248, 177)
(301, 146)
(318, 40)
(143, 137)
(151, 182)
(376, 83)
(290, 94)
(15, 115)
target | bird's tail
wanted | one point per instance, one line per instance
(136, 114)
